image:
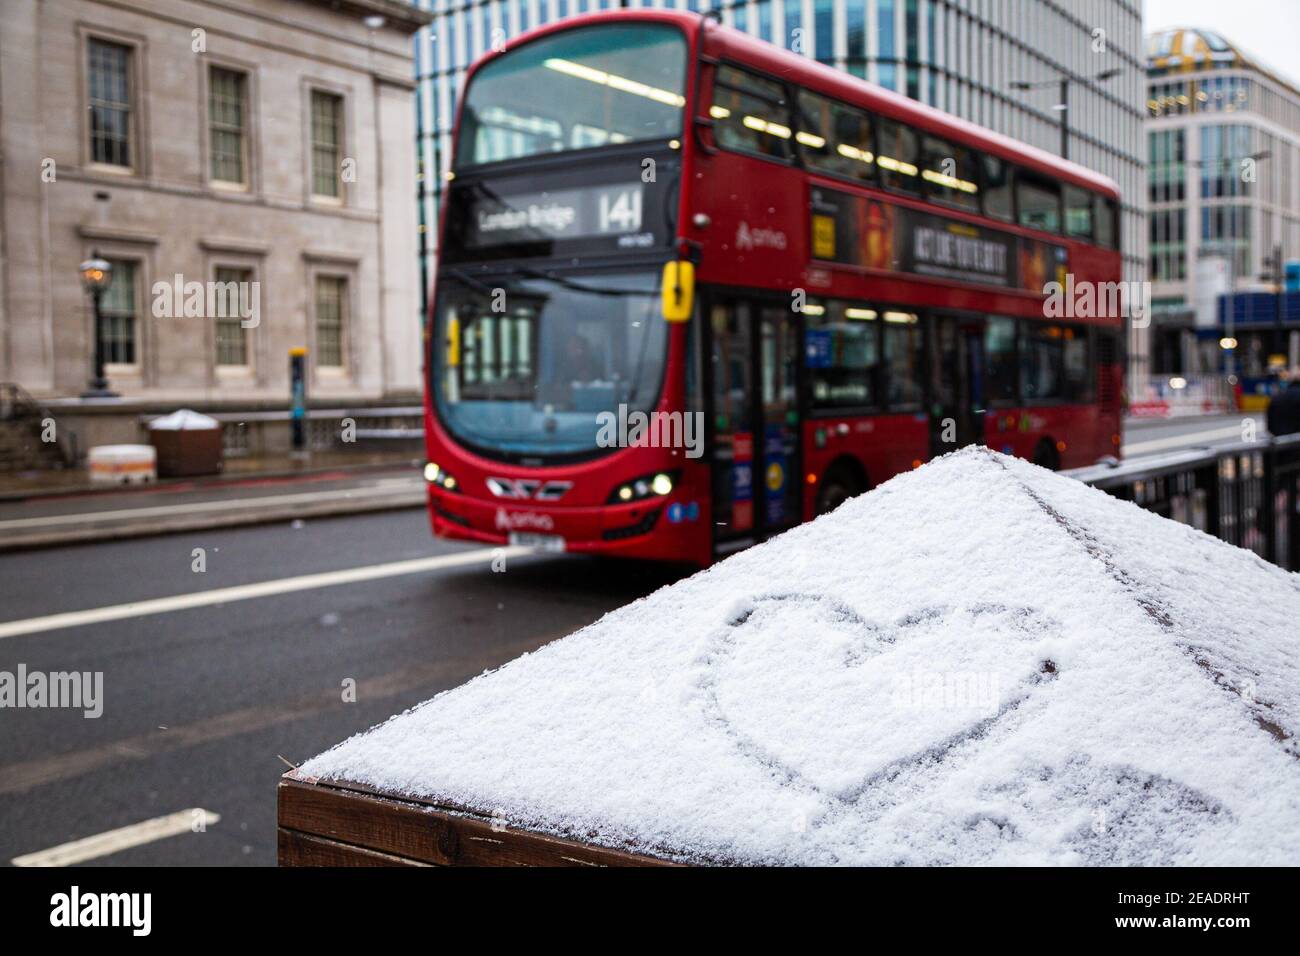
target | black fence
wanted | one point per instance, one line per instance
(1247, 493)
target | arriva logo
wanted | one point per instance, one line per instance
(750, 238)
(523, 521)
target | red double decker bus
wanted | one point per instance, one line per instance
(694, 289)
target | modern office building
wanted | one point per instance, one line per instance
(1224, 140)
(973, 58)
(256, 153)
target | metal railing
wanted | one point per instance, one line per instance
(1245, 493)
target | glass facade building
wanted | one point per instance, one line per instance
(1224, 140)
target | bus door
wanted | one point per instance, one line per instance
(957, 382)
(752, 384)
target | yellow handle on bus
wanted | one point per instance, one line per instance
(678, 289)
(453, 342)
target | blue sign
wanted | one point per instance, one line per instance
(742, 481)
(818, 347)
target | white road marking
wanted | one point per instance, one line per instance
(1178, 441)
(123, 838)
(226, 504)
(246, 592)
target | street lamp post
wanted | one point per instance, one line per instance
(1063, 107)
(96, 274)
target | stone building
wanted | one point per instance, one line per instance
(255, 157)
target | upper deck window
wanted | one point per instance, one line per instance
(591, 86)
(1105, 215)
(998, 200)
(1078, 212)
(897, 156)
(1039, 202)
(835, 138)
(950, 173)
(750, 114)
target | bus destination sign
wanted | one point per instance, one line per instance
(612, 211)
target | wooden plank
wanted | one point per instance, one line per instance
(302, 849)
(425, 833)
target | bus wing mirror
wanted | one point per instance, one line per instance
(678, 289)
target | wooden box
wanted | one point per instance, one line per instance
(343, 824)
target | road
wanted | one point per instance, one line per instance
(203, 693)
(1158, 436)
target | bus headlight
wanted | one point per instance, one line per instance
(434, 475)
(659, 484)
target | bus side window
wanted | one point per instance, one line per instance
(1039, 201)
(897, 157)
(998, 199)
(1042, 361)
(750, 114)
(903, 354)
(842, 356)
(1077, 362)
(1104, 214)
(1000, 356)
(1078, 212)
(949, 173)
(835, 137)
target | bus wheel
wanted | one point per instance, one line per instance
(1046, 455)
(838, 486)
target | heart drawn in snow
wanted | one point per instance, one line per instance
(831, 701)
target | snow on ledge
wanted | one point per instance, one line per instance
(978, 662)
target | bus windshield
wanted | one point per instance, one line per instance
(527, 365)
(591, 86)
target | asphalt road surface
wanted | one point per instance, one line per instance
(1160, 436)
(204, 693)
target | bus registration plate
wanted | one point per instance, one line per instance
(552, 543)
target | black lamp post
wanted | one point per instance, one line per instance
(96, 274)
(1063, 107)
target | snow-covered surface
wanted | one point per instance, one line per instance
(979, 662)
(184, 419)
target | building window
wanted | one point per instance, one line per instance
(793, 22)
(231, 336)
(331, 314)
(1224, 150)
(227, 124)
(1168, 244)
(326, 142)
(1167, 178)
(117, 315)
(110, 103)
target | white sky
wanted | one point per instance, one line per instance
(1268, 29)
